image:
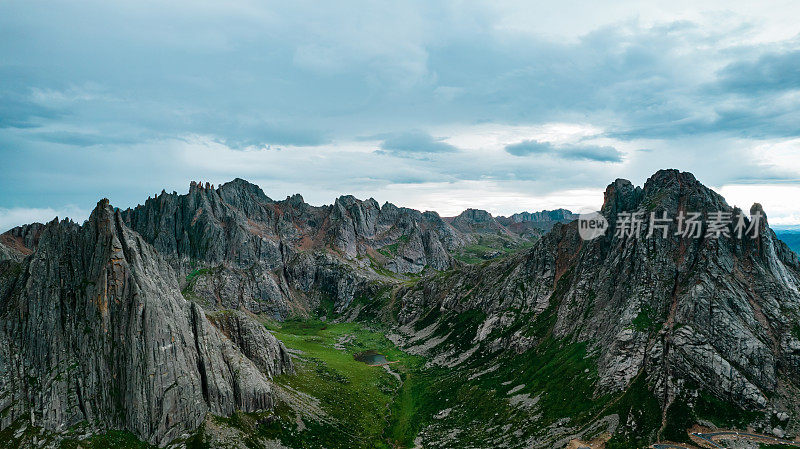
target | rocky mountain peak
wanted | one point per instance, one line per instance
(758, 210)
(620, 195)
(541, 216)
(477, 221)
(21, 241)
(296, 200)
(96, 315)
(102, 215)
(666, 190)
(475, 216)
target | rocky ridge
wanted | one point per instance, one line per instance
(94, 332)
(671, 320)
(686, 316)
(288, 257)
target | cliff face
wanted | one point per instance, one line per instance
(142, 320)
(238, 224)
(275, 257)
(718, 313)
(93, 329)
(686, 315)
(20, 242)
(240, 248)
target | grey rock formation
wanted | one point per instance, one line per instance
(94, 329)
(477, 221)
(255, 342)
(545, 216)
(95, 325)
(713, 314)
(239, 248)
(20, 242)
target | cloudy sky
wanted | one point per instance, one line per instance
(500, 105)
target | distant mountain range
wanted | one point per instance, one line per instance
(224, 318)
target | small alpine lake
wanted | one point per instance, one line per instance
(371, 357)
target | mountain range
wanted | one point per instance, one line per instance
(224, 318)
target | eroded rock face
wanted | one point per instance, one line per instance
(94, 326)
(477, 220)
(19, 242)
(94, 329)
(254, 341)
(8, 253)
(247, 247)
(717, 314)
(254, 244)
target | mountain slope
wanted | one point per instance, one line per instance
(624, 339)
(240, 248)
(95, 334)
(683, 317)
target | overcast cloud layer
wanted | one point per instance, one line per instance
(439, 106)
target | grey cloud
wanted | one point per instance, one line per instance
(415, 142)
(285, 74)
(575, 152)
(17, 112)
(592, 153)
(241, 135)
(528, 147)
(81, 139)
(246, 84)
(771, 72)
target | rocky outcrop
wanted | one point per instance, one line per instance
(477, 221)
(255, 342)
(20, 242)
(407, 241)
(94, 330)
(712, 314)
(236, 247)
(9, 253)
(518, 227)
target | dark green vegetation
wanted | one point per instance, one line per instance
(645, 320)
(110, 440)
(679, 418)
(391, 250)
(637, 405)
(356, 405)
(21, 435)
(640, 407)
(352, 402)
(351, 393)
(191, 279)
(722, 414)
